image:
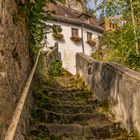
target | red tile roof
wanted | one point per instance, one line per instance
(66, 14)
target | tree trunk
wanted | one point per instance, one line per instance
(134, 27)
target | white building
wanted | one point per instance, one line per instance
(72, 30)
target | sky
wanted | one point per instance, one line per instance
(92, 5)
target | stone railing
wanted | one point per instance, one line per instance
(21, 115)
(115, 83)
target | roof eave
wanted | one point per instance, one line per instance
(77, 22)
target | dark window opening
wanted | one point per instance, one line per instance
(75, 32)
(89, 36)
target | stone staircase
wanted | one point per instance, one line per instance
(65, 109)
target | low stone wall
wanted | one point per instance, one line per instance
(48, 57)
(115, 83)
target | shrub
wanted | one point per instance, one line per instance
(56, 68)
(119, 46)
(58, 36)
(57, 29)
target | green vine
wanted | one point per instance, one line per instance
(33, 11)
(55, 69)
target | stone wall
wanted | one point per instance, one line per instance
(75, 4)
(48, 57)
(14, 60)
(115, 83)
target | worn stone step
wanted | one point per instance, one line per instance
(83, 118)
(75, 138)
(62, 97)
(58, 129)
(63, 108)
(66, 99)
(69, 101)
(84, 138)
(103, 131)
(64, 89)
(70, 95)
(59, 101)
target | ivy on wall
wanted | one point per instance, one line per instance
(36, 15)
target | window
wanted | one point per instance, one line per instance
(89, 36)
(75, 32)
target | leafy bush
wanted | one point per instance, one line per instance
(57, 29)
(57, 32)
(119, 46)
(58, 36)
(55, 69)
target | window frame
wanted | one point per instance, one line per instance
(89, 34)
(74, 32)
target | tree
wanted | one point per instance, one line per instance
(90, 11)
(123, 8)
(123, 44)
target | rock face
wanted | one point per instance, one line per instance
(75, 4)
(14, 60)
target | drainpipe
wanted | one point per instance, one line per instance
(83, 48)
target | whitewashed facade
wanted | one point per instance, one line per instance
(67, 47)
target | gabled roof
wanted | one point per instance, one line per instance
(67, 15)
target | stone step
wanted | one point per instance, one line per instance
(62, 97)
(66, 109)
(70, 95)
(73, 138)
(84, 138)
(83, 119)
(101, 131)
(57, 129)
(67, 100)
(66, 90)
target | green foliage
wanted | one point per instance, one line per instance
(57, 29)
(90, 11)
(36, 16)
(118, 46)
(121, 45)
(55, 69)
(57, 32)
